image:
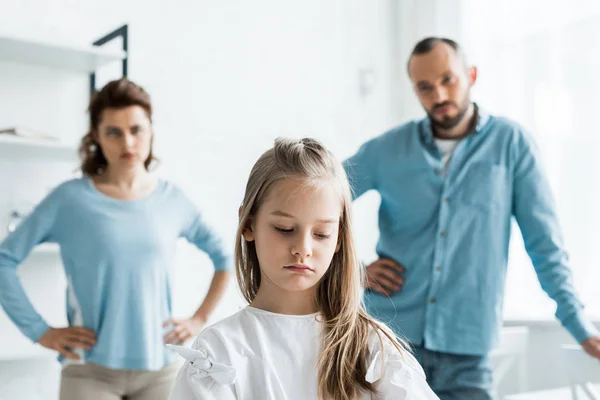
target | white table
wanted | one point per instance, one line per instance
(552, 394)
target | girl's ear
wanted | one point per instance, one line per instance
(247, 231)
(248, 234)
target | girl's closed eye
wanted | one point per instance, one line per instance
(287, 231)
(283, 230)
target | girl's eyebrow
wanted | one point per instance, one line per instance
(286, 215)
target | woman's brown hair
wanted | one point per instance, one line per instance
(115, 94)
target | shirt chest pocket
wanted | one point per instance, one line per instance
(485, 186)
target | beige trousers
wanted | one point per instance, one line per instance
(95, 382)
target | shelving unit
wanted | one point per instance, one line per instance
(15, 147)
(82, 59)
(56, 55)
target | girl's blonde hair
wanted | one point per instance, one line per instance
(343, 361)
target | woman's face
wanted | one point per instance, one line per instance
(125, 137)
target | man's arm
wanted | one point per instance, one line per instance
(534, 209)
(361, 169)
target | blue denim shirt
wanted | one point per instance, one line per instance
(450, 228)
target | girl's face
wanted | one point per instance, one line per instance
(125, 136)
(295, 232)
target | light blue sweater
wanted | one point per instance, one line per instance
(117, 257)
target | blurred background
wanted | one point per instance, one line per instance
(227, 77)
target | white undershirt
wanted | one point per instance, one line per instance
(446, 147)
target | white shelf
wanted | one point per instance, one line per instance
(76, 58)
(13, 147)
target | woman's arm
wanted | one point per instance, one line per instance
(198, 232)
(215, 293)
(186, 329)
(37, 228)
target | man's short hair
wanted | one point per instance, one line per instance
(426, 45)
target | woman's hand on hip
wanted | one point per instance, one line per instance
(65, 340)
(183, 330)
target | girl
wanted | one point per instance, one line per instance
(305, 334)
(117, 228)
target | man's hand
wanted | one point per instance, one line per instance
(384, 276)
(592, 346)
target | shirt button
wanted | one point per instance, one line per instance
(437, 171)
(432, 299)
(443, 234)
(438, 267)
(447, 200)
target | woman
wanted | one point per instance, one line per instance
(117, 229)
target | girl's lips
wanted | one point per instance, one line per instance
(299, 268)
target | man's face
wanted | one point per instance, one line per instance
(442, 84)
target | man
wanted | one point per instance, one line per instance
(449, 186)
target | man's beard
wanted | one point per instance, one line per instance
(447, 122)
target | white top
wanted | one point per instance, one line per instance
(255, 354)
(446, 147)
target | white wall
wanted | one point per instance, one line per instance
(226, 79)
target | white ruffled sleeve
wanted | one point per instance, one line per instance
(204, 375)
(395, 375)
